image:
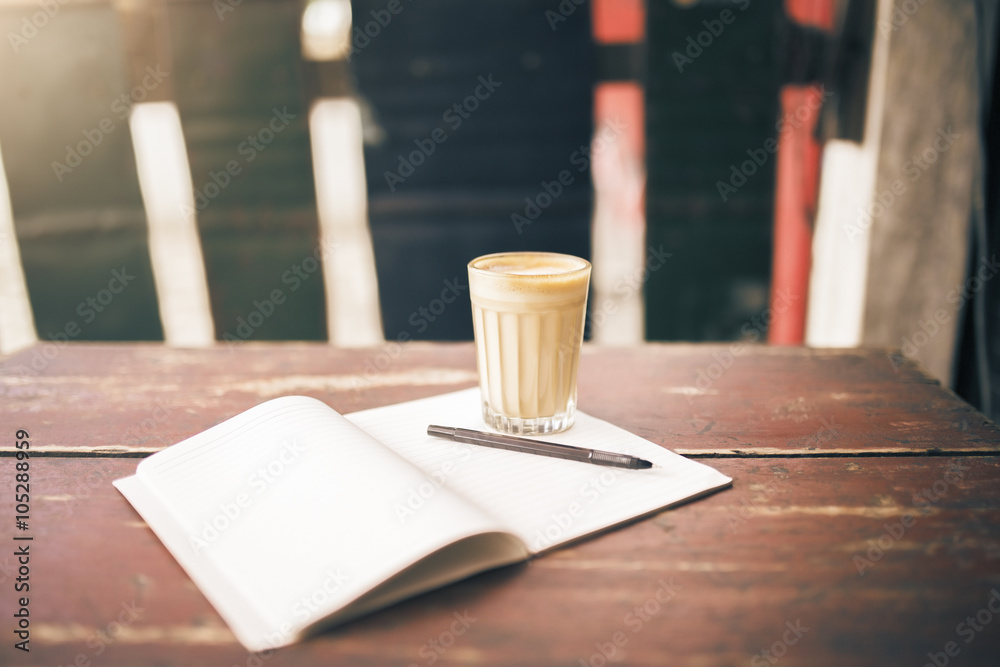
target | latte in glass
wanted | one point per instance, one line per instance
(528, 311)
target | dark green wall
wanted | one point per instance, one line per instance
(702, 118)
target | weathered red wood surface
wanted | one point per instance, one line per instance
(731, 570)
(691, 398)
(883, 559)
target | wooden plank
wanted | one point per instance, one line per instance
(920, 211)
(779, 548)
(734, 399)
(695, 399)
(140, 398)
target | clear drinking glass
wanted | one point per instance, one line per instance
(528, 312)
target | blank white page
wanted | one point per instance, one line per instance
(544, 501)
(286, 513)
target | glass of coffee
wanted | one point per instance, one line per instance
(528, 312)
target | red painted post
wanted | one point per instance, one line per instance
(621, 22)
(796, 192)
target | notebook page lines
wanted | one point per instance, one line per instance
(211, 444)
(531, 494)
(246, 457)
(519, 489)
(234, 450)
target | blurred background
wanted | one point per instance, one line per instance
(796, 172)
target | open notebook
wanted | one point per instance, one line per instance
(290, 517)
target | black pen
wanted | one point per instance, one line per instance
(527, 446)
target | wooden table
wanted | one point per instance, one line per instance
(863, 526)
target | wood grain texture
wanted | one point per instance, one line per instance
(710, 400)
(731, 570)
(822, 552)
(920, 209)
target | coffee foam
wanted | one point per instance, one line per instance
(540, 277)
(530, 263)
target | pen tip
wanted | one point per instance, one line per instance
(643, 464)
